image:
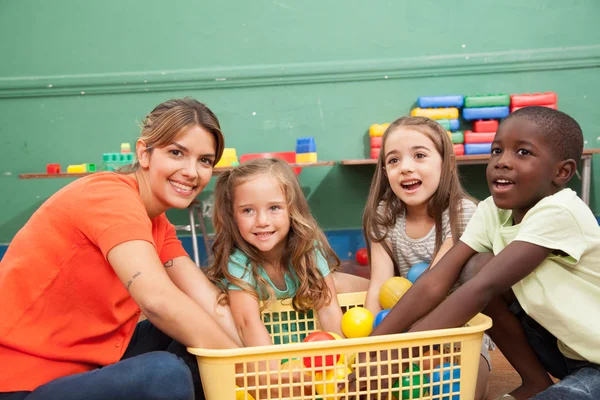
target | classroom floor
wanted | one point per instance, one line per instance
(503, 378)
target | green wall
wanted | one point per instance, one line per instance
(75, 77)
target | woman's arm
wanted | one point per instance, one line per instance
(330, 315)
(172, 311)
(191, 280)
(382, 269)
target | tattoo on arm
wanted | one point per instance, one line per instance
(168, 264)
(129, 282)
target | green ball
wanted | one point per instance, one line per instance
(406, 382)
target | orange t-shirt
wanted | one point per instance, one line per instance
(63, 310)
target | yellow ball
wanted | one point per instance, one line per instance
(357, 322)
(241, 395)
(337, 375)
(338, 337)
(392, 290)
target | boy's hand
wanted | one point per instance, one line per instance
(376, 367)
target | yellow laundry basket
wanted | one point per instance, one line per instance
(435, 365)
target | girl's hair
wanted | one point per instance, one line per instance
(171, 119)
(383, 206)
(304, 239)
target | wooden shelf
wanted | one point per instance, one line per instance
(216, 171)
(460, 160)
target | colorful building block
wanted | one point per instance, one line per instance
(533, 99)
(488, 100)
(53, 168)
(76, 169)
(487, 125)
(376, 142)
(553, 106)
(435, 113)
(378, 129)
(375, 153)
(125, 148)
(90, 167)
(114, 161)
(478, 148)
(441, 101)
(306, 145)
(306, 157)
(479, 137)
(459, 149)
(456, 137)
(485, 113)
(449, 124)
(228, 158)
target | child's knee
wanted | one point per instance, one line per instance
(474, 265)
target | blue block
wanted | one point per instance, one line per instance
(441, 101)
(471, 114)
(306, 145)
(478, 148)
(454, 125)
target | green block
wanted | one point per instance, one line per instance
(445, 123)
(458, 137)
(490, 100)
(90, 167)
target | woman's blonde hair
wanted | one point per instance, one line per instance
(305, 239)
(171, 119)
(383, 206)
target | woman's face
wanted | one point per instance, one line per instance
(177, 173)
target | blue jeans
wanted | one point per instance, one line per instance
(580, 380)
(153, 367)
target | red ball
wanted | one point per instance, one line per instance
(362, 257)
(329, 360)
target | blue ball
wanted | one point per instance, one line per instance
(379, 317)
(445, 387)
(415, 271)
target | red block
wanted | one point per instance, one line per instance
(375, 153)
(532, 99)
(553, 106)
(479, 137)
(376, 142)
(487, 125)
(459, 149)
(53, 168)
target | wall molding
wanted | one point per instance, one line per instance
(545, 59)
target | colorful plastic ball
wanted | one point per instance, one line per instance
(406, 383)
(320, 361)
(392, 290)
(357, 322)
(336, 375)
(431, 357)
(379, 317)
(362, 257)
(241, 395)
(438, 386)
(416, 271)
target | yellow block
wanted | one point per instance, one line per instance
(436, 113)
(306, 157)
(76, 169)
(229, 152)
(377, 129)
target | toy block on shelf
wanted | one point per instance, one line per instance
(441, 101)
(478, 148)
(76, 169)
(488, 100)
(228, 159)
(552, 106)
(488, 125)
(375, 153)
(449, 124)
(53, 168)
(459, 149)
(90, 167)
(435, 113)
(306, 145)
(485, 113)
(306, 157)
(376, 130)
(479, 137)
(125, 148)
(376, 142)
(456, 137)
(114, 161)
(533, 99)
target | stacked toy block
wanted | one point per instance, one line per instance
(306, 150)
(547, 99)
(228, 159)
(484, 111)
(445, 110)
(376, 132)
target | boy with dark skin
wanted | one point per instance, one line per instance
(533, 241)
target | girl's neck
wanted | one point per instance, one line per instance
(273, 257)
(417, 212)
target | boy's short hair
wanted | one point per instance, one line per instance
(562, 131)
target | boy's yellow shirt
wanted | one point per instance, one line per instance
(563, 293)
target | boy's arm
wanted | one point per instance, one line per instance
(382, 269)
(446, 245)
(427, 292)
(330, 315)
(511, 265)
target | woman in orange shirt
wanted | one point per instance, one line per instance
(100, 251)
